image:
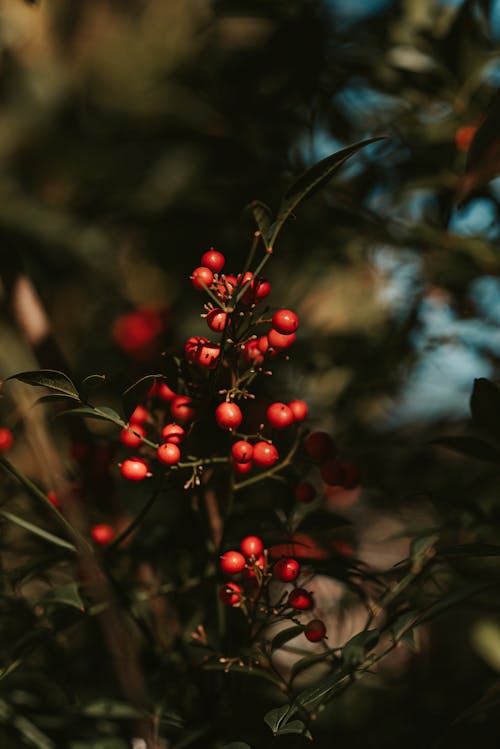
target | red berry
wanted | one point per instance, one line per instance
(6, 439)
(252, 354)
(213, 259)
(137, 332)
(279, 416)
(169, 453)
(207, 355)
(228, 415)
(286, 570)
(132, 436)
(300, 599)
(226, 287)
(173, 433)
(200, 276)
(193, 346)
(332, 473)
(320, 446)
(285, 321)
(464, 137)
(242, 468)
(242, 451)
(265, 455)
(350, 476)
(182, 409)
(252, 546)
(260, 288)
(230, 594)
(279, 341)
(134, 469)
(263, 344)
(52, 497)
(217, 320)
(299, 409)
(232, 562)
(315, 630)
(164, 392)
(305, 492)
(139, 416)
(102, 534)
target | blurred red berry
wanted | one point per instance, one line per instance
(285, 321)
(286, 570)
(350, 476)
(134, 469)
(137, 332)
(182, 409)
(464, 137)
(139, 416)
(320, 446)
(279, 341)
(173, 433)
(315, 630)
(102, 534)
(332, 473)
(299, 409)
(232, 562)
(169, 453)
(228, 415)
(202, 277)
(305, 492)
(265, 455)
(230, 594)
(213, 259)
(263, 344)
(52, 497)
(164, 392)
(6, 439)
(132, 436)
(279, 416)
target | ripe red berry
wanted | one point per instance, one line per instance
(213, 259)
(164, 392)
(332, 473)
(52, 497)
(173, 433)
(300, 599)
(169, 453)
(226, 287)
(230, 594)
(350, 476)
(242, 451)
(228, 415)
(134, 469)
(299, 409)
(252, 546)
(132, 436)
(320, 446)
(217, 320)
(242, 468)
(279, 415)
(207, 355)
(285, 321)
(232, 562)
(193, 346)
(252, 354)
(102, 534)
(260, 288)
(6, 439)
(265, 455)
(315, 630)
(200, 276)
(286, 570)
(279, 341)
(263, 344)
(182, 409)
(305, 492)
(139, 416)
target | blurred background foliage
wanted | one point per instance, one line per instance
(133, 135)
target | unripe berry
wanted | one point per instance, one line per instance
(134, 469)
(169, 453)
(164, 392)
(102, 534)
(286, 570)
(217, 320)
(173, 433)
(242, 468)
(213, 260)
(279, 341)
(285, 321)
(228, 415)
(6, 439)
(252, 546)
(242, 451)
(200, 276)
(207, 355)
(230, 594)
(305, 492)
(132, 436)
(300, 599)
(299, 409)
(182, 409)
(279, 415)
(332, 473)
(232, 562)
(265, 455)
(320, 446)
(315, 630)
(139, 416)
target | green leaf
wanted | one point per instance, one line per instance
(49, 378)
(421, 546)
(402, 624)
(286, 634)
(452, 599)
(485, 406)
(37, 531)
(67, 595)
(473, 447)
(111, 710)
(310, 181)
(321, 692)
(275, 717)
(306, 662)
(353, 653)
(295, 726)
(90, 412)
(52, 398)
(263, 216)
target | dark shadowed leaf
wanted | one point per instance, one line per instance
(263, 217)
(67, 595)
(307, 662)
(52, 398)
(111, 710)
(237, 745)
(37, 531)
(322, 520)
(470, 550)
(483, 157)
(485, 406)
(403, 624)
(136, 392)
(102, 412)
(285, 635)
(354, 651)
(473, 447)
(49, 378)
(452, 599)
(295, 726)
(275, 718)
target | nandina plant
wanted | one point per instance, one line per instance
(206, 567)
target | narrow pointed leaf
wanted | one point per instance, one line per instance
(262, 215)
(37, 531)
(295, 726)
(285, 635)
(67, 595)
(102, 412)
(49, 378)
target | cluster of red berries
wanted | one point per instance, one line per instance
(251, 557)
(322, 450)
